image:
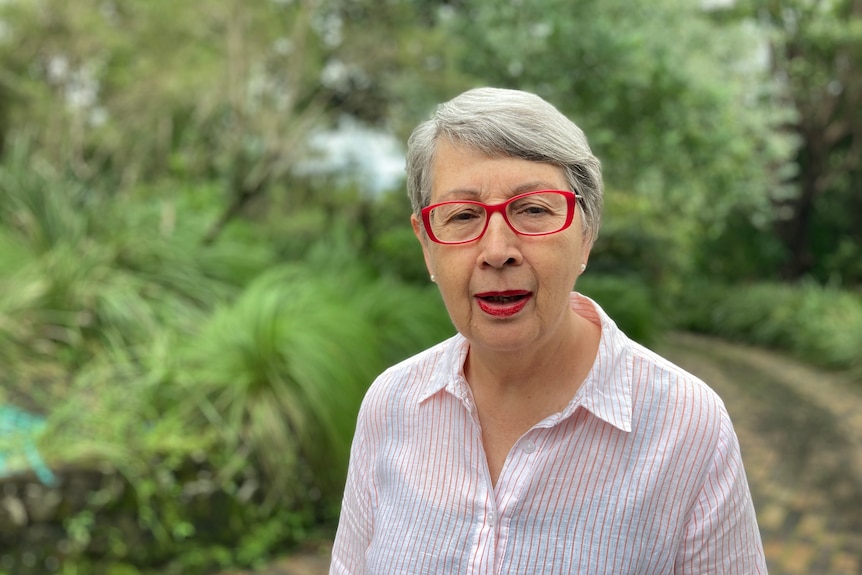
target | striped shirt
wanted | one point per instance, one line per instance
(640, 473)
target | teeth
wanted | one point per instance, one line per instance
(503, 299)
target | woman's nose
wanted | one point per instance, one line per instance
(499, 243)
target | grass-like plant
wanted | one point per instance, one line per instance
(280, 374)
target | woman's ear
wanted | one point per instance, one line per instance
(585, 256)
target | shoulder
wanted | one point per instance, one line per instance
(643, 379)
(658, 374)
(408, 382)
(664, 394)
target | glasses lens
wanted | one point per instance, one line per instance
(457, 221)
(542, 213)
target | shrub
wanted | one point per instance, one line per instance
(819, 324)
(248, 419)
(628, 302)
(279, 373)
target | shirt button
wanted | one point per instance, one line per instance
(492, 519)
(529, 447)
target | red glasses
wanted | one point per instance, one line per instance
(530, 214)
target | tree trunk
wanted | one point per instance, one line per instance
(797, 230)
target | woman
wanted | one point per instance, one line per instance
(539, 439)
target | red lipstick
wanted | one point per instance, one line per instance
(503, 303)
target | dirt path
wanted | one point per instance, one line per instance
(801, 435)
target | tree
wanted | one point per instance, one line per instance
(225, 90)
(673, 104)
(815, 53)
(145, 90)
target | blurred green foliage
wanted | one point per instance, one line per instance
(629, 303)
(166, 359)
(187, 308)
(819, 324)
(815, 49)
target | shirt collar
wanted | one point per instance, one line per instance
(606, 392)
(448, 373)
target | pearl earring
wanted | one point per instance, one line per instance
(583, 267)
(433, 279)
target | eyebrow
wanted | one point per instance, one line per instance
(472, 194)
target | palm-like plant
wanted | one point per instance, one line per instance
(281, 373)
(82, 272)
(150, 353)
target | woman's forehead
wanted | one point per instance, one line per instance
(461, 172)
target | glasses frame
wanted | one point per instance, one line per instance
(572, 199)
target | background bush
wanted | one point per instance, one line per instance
(820, 324)
(629, 303)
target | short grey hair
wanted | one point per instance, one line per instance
(512, 123)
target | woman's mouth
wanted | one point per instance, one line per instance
(503, 304)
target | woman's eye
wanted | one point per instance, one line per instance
(464, 215)
(531, 210)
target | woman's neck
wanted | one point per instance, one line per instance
(556, 367)
(514, 392)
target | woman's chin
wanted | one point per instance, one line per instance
(502, 338)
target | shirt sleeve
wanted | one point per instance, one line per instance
(355, 524)
(721, 533)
